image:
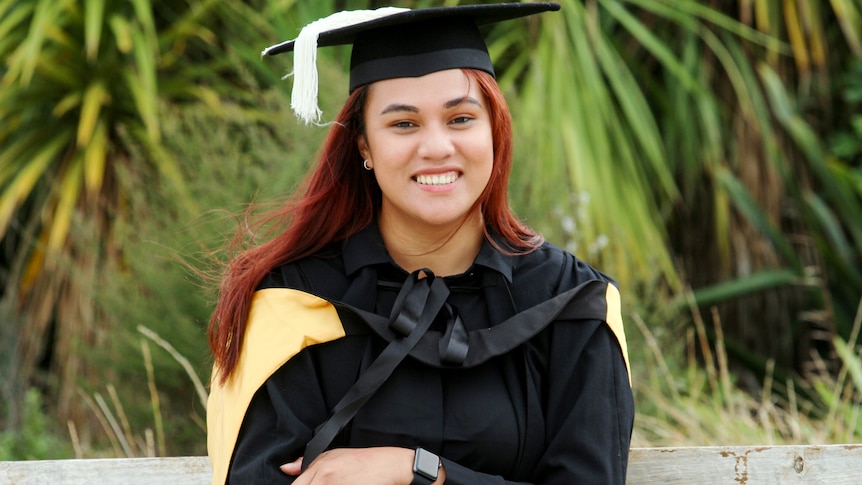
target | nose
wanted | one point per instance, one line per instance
(436, 143)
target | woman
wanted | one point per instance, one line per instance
(405, 327)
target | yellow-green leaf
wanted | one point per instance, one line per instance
(122, 33)
(24, 60)
(69, 102)
(69, 189)
(850, 18)
(94, 98)
(95, 156)
(23, 183)
(12, 19)
(144, 85)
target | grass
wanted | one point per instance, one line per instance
(152, 440)
(697, 400)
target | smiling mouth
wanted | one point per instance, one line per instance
(438, 179)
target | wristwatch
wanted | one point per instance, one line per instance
(426, 465)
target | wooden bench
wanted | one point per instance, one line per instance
(733, 465)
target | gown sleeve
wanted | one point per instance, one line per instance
(589, 411)
(282, 414)
(275, 430)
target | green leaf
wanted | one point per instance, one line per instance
(745, 203)
(831, 227)
(651, 42)
(94, 12)
(839, 194)
(742, 287)
(143, 83)
(144, 17)
(851, 359)
(11, 21)
(23, 62)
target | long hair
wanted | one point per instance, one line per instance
(344, 195)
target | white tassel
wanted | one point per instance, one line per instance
(303, 98)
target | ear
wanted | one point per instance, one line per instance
(362, 145)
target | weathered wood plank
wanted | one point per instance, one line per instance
(735, 465)
(194, 470)
(714, 465)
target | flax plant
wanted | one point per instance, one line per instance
(81, 87)
(697, 132)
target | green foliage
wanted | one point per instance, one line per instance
(37, 439)
(164, 284)
(123, 120)
(846, 142)
(80, 92)
(588, 123)
(87, 72)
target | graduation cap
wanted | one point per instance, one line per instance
(392, 42)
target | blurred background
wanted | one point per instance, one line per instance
(706, 154)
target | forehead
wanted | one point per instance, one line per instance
(437, 88)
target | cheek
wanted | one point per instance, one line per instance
(484, 155)
(386, 149)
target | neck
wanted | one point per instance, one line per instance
(445, 251)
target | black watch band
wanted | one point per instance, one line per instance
(426, 465)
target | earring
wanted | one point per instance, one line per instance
(365, 165)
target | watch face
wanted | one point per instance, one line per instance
(427, 463)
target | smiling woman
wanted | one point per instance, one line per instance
(405, 326)
(431, 149)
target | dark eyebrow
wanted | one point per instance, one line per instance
(413, 109)
(466, 99)
(399, 107)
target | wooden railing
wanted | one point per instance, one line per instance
(713, 465)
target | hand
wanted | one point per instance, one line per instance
(381, 465)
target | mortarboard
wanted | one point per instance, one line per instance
(394, 42)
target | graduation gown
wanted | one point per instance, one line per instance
(521, 378)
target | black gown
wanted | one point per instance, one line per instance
(544, 399)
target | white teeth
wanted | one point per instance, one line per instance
(444, 179)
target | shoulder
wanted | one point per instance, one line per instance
(549, 271)
(322, 274)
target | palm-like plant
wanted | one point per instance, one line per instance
(675, 118)
(80, 91)
(707, 138)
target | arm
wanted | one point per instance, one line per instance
(274, 431)
(379, 465)
(285, 410)
(588, 410)
(590, 407)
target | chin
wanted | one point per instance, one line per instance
(444, 220)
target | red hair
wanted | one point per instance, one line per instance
(340, 192)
